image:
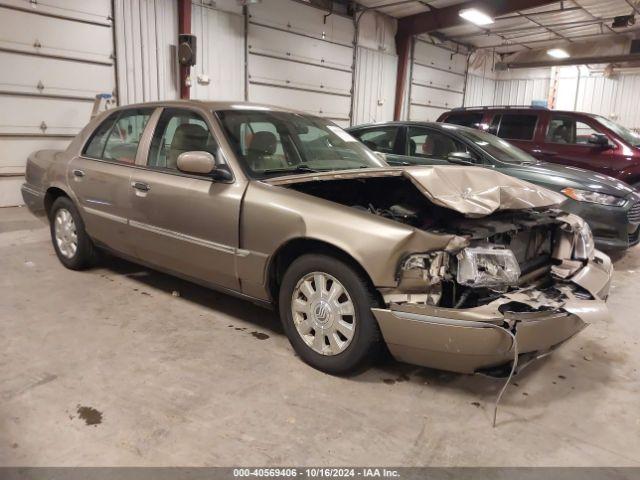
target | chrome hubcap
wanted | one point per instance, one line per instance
(323, 313)
(65, 233)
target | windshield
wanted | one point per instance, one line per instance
(498, 148)
(270, 143)
(627, 135)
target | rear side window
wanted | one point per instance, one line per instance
(473, 120)
(517, 127)
(95, 147)
(118, 137)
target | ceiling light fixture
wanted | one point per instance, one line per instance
(558, 53)
(475, 16)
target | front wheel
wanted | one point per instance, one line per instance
(325, 307)
(73, 246)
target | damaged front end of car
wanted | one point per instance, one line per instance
(511, 275)
(528, 277)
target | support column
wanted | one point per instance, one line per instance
(403, 47)
(184, 26)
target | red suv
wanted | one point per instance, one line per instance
(576, 139)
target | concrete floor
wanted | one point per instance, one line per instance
(205, 379)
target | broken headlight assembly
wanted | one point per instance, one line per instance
(487, 267)
(593, 197)
(584, 245)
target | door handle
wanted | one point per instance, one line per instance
(143, 187)
(78, 173)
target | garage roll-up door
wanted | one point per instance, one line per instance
(299, 57)
(55, 56)
(437, 80)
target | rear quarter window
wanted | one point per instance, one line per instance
(472, 120)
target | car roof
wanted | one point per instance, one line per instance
(515, 108)
(408, 123)
(213, 105)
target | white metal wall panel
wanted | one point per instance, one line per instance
(23, 31)
(56, 57)
(299, 59)
(219, 70)
(616, 97)
(146, 39)
(521, 91)
(438, 77)
(375, 86)
(480, 91)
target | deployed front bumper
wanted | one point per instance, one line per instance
(467, 340)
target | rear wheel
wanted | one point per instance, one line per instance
(73, 246)
(325, 307)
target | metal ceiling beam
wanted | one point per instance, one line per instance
(531, 42)
(438, 19)
(576, 61)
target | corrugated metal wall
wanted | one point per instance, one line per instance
(522, 87)
(616, 97)
(376, 67)
(480, 91)
(146, 39)
(219, 70)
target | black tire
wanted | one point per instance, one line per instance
(366, 342)
(85, 253)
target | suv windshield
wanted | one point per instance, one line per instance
(272, 143)
(627, 135)
(499, 149)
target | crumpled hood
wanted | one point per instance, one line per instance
(472, 191)
(557, 177)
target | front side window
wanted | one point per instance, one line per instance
(427, 143)
(517, 127)
(280, 143)
(179, 131)
(382, 139)
(569, 131)
(117, 138)
(627, 135)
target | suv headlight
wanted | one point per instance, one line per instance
(487, 267)
(593, 197)
(584, 244)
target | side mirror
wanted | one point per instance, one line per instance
(462, 158)
(199, 163)
(599, 140)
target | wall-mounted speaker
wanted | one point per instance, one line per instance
(187, 49)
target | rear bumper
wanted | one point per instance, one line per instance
(468, 340)
(33, 199)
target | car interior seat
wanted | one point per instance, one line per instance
(259, 154)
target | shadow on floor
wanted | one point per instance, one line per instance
(211, 299)
(478, 388)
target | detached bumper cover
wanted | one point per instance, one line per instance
(467, 340)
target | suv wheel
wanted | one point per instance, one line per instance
(325, 307)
